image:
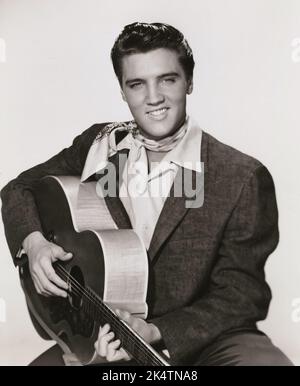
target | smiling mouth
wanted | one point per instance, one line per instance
(157, 113)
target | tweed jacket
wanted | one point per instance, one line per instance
(206, 264)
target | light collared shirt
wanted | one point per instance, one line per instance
(145, 205)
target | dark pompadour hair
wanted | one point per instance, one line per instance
(145, 37)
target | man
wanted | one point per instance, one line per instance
(207, 287)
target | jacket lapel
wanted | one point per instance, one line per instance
(173, 211)
(114, 204)
(175, 208)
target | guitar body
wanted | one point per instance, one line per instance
(109, 269)
(63, 320)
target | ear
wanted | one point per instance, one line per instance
(123, 95)
(190, 86)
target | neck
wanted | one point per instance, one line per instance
(164, 144)
(154, 157)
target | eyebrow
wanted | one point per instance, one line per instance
(168, 74)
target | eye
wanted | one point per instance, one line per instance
(135, 85)
(169, 80)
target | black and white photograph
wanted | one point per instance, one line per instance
(149, 178)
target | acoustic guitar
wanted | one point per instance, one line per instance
(109, 270)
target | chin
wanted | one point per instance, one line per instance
(159, 131)
(159, 134)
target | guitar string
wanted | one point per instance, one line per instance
(95, 300)
(107, 311)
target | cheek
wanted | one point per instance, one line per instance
(134, 101)
(177, 96)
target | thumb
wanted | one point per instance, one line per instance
(61, 254)
(65, 256)
(124, 315)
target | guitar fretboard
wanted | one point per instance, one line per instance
(93, 306)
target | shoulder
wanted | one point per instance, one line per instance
(98, 130)
(227, 162)
(90, 134)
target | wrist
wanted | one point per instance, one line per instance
(33, 240)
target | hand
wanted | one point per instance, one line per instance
(110, 349)
(41, 255)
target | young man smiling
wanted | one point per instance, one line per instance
(155, 86)
(207, 288)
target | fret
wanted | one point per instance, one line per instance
(100, 312)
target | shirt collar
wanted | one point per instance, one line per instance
(99, 154)
(186, 154)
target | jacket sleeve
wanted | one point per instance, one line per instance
(238, 295)
(19, 211)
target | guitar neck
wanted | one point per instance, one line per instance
(98, 311)
(141, 351)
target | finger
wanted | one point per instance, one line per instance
(34, 271)
(103, 330)
(118, 355)
(125, 354)
(52, 276)
(112, 352)
(103, 343)
(99, 344)
(114, 345)
(59, 254)
(38, 286)
(65, 256)
(49, 287)
(137, 324)
(124, 315)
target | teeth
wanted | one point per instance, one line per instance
(158, 112)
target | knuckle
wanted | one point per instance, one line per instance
(36, 285)
(48, 287)
(38, 290)
(102, 341)
(50, 275)
(58, 249)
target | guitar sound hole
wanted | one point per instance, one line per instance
(76, 287)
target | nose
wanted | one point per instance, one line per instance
(154, 95)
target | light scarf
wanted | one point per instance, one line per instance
(105, 146)
(137, 164)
